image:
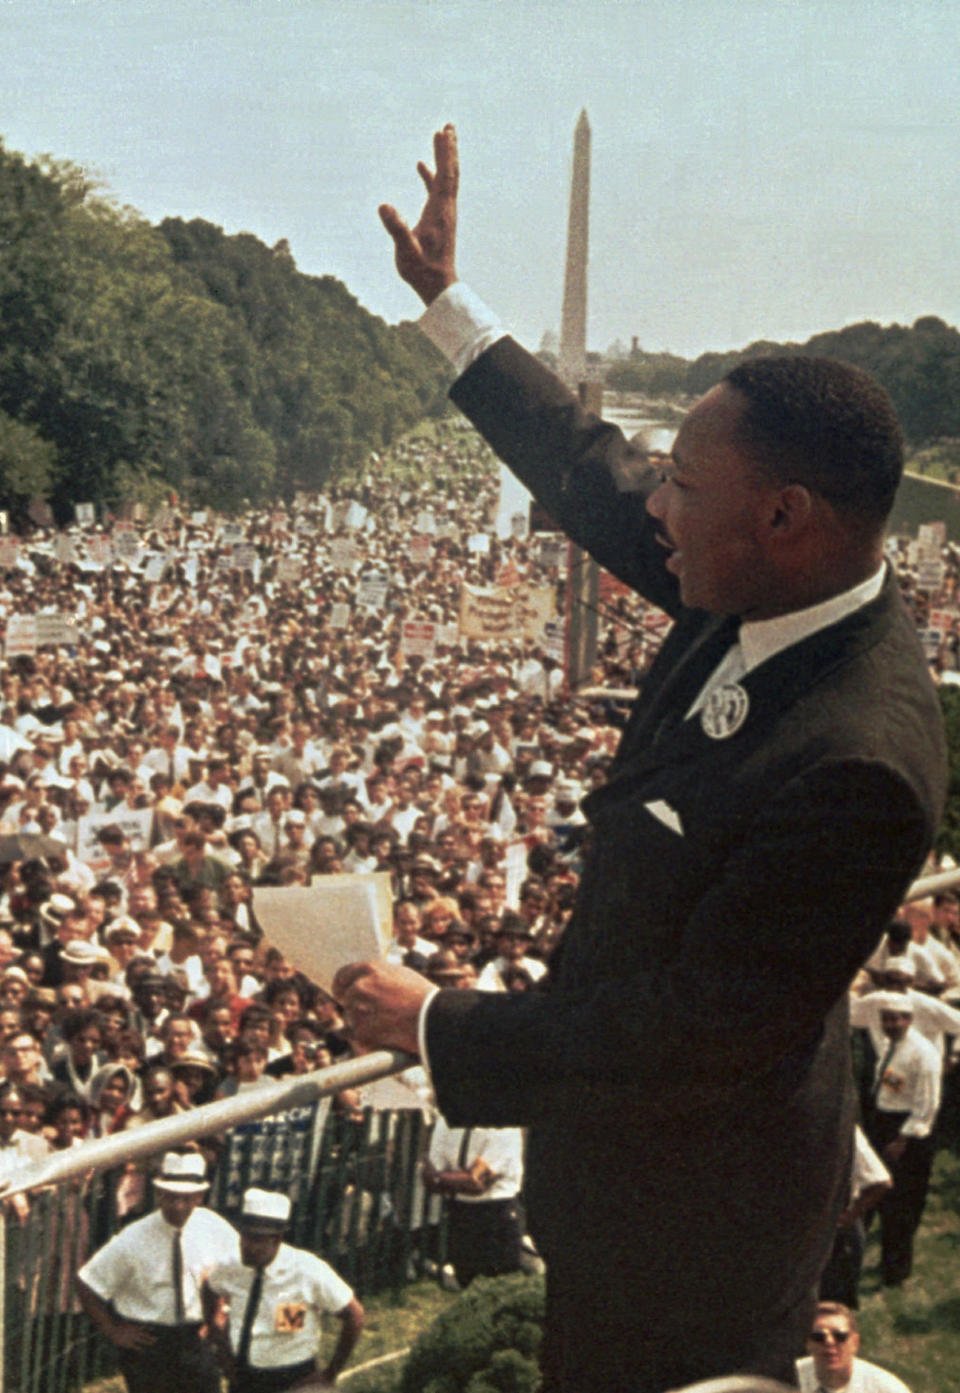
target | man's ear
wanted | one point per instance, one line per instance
(791, 510)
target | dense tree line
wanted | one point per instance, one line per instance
(919, 366)
(136, 360)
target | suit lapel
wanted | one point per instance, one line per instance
(661, 736)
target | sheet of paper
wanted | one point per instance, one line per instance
(338, 919)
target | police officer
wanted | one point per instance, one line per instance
(276, 1295)
(143, 1288)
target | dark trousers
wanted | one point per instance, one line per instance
(657, 1348)
(178, 1359)
(483, 1240)
(901, 1208)
(841, 1276)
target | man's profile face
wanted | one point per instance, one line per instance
(833, 1346)
(709, 507)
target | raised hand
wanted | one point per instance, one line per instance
(426, 254)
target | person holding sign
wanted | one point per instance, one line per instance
(685, 1080)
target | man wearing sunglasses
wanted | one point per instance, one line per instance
(831, 1362)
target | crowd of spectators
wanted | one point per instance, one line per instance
(230, 708)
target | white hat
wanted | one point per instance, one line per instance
(82, 953)
(265, 1211)
(182, 1173)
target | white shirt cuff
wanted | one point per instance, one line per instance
(461, 325)
(422, 1025)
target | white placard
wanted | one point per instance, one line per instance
(339, 615)
(56, 629)
(372, 592)
(9, 552)
(343, 553)
(478, 543)
(245, 557)
(85, 514)
(21, 635)
(289, 569)
(426, 522)
(134, 822)
(419, 639)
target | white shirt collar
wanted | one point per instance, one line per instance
(762, 638)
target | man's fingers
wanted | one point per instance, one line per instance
(426, 174)
(396, 226)
(447, 162)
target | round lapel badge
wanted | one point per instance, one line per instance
(724, 711)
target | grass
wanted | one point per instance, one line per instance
(915, 1329)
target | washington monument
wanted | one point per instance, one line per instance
(573, 329)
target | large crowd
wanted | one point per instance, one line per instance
(267, 700)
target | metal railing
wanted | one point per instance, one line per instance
(353, 1181)
(354, 1186)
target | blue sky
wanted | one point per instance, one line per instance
(761, 169)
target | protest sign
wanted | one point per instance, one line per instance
(337, 919)
(99, 552)
(426, 522)
(245, 557)
(21, 635)
(55, 629)
(420, 550)
(135, 823)
(343, 553)
(63, 549)
(931, 536)
(289, 569)
(515, 611)
(339, 615)
(419, 639)
(372, 592)
(85, 514)
(9, 552)
(478, 543)
(231, 534)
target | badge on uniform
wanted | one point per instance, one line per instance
(290, 1316)
(724, 711)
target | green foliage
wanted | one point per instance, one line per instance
(652, 373)
(26, 462)
(486, 1342)
(137, 360)
(919, 366)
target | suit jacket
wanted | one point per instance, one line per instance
(687, 1080)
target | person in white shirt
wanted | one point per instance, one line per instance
(142, 1289)
(899, 1123)
(831, 1364)
(277, 1295)
(480, 1170)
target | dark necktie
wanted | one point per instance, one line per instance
(178, 1278)
(883, 1069)
(249, 1316)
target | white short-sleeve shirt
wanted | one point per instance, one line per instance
(297, 1288)
(134, 1270)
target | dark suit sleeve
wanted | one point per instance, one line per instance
(584, 472)
(765, 954)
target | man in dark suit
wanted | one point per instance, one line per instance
(686, 1080)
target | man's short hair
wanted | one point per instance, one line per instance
(835, 1308)
(824, 424)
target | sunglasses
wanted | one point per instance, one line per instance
(820, 1337)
